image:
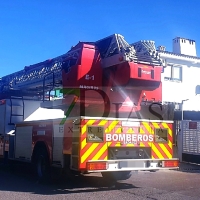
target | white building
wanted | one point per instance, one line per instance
(182, 74)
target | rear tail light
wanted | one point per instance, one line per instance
(170, 163)
(96, 166)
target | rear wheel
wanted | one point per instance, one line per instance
(43, 166)
(115, 176)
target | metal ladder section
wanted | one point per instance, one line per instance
(31, 78)
(16, 109)
(146, 53)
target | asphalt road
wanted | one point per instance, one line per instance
(22, 184)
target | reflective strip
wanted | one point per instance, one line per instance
(166, 148)
(98, 151)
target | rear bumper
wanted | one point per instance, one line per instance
(133, 165)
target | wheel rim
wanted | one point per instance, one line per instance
(42, 166)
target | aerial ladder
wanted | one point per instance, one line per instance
(37, 79)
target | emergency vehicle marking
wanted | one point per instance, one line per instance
(165, 148)
(114, 130)
(129, 138)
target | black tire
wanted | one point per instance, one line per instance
(43, 166)
(116, 176)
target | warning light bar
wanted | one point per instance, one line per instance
(96, 166)
(170, 163)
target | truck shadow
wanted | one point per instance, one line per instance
(22, 178)
(189, 167)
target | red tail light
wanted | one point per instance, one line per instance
(170, 163)
(96, 166)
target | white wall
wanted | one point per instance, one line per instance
(174, 91)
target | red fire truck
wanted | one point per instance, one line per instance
(96, 108)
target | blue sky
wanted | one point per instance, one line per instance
(34, 31)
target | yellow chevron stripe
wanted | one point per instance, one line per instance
(101, 151)
(88, 152)
(108, 143)
(156, 151)
(170, 144)
(83, 143)
(118, 144)
(102, 122)
(111, 126)
(155, 125)
(119, 130)
(142, 144)
(141, 130)
(166, 126)
(170, 133)
(130, 145)
(148, 127)
(90, 122)
(169, 155)
(130, 130)
(84, 128)
(165, 150)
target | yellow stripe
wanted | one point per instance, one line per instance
(88, 152)
(119, 130)
(141, 130)
(84, 128)
(142, 144)
(166, 126)
(148, 127)
(156, 151)
(130, 130)
(103, 122)
(155, 125)
(90, 122)
(170, 133)
(170, 144)
(111, 126)
(165, 150)
(83, 143)
(130, 145)
(100, 153)
(108, 143)
(169, 155)
(118, 144)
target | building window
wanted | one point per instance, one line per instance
(173, 73)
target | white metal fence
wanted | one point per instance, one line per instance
(189, 140)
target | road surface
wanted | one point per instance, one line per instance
(22, 184)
